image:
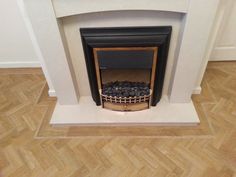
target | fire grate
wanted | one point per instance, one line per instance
(126, 100)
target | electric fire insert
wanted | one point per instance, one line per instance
(126, 66)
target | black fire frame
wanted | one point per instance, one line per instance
(127, 37)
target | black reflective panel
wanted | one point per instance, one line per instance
(125, 59)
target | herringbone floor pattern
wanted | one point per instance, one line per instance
(22, 110)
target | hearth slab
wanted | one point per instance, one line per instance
(87, 113)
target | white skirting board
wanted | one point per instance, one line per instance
(32, 64)
(52, 93)
(87, 113)
(197, 90)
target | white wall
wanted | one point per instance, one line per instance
(16, 49)
(225, 44)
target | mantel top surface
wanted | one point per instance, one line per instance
(72, 7)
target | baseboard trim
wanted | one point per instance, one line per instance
(34, 64)
(52, 93)
(197, 90)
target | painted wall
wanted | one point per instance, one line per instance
(225, 44)
(16, 49)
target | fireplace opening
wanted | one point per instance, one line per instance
(126, 66)
(125, 77)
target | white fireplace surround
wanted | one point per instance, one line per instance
(52, 25)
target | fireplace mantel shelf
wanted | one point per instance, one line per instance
(71, 7)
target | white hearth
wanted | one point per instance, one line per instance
(87, 113)
(55, 25)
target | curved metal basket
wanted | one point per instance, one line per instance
(135, 99)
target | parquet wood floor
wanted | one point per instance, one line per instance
(31, 148)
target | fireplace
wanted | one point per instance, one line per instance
(73, 79)
(126, 65)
